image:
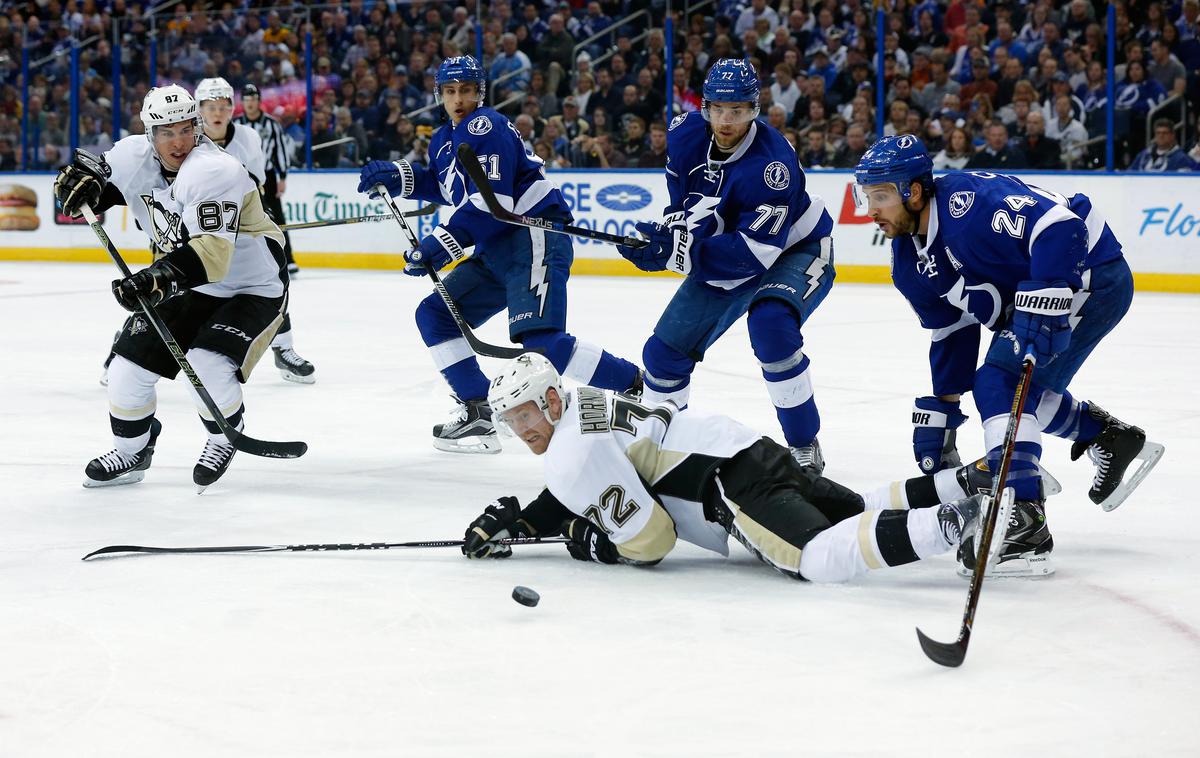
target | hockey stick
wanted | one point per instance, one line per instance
(478, 346)
(114, 549)
(953, 653)
(470, 163)
(237, 439)
(423, 211)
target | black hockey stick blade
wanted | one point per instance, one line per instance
(949, 654)
(470, 163)
(112, 549)
(480, 347)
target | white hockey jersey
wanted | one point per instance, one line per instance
(244, 144)
(639, 472)
(211, 203)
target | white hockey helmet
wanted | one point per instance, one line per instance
(527, 377)
(167, 105)
(214, 89)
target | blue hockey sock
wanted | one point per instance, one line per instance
(451, 354)
(668, 373)
(1064, 416)
(466, 379)
(582, 361)
(1023, 474)
(775, 336)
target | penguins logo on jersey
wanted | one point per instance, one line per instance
(677, 121)
(777, 176)
(960, 203)
(479, 125)
(168, 227)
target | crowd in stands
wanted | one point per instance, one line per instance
(997, 85)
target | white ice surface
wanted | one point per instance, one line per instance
(421, 653)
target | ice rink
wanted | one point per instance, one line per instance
(422, 653)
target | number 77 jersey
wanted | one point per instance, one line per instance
(987, 234)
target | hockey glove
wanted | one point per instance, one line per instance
(438, 250)
(81, 182)
(934, 421)
(588, 542)
(1041, 319)
(498, 521)
(157, 282)
(397, 176)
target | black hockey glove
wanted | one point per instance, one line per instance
(157, 282)
(588, 542)
(498, 521)
(81, 182)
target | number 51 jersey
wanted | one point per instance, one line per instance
(639, 472)
(213, 205)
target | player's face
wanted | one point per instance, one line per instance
(173, 143)
(216, 115)
(730, 122)
(459, 99)
(528, 422)
(883, 204)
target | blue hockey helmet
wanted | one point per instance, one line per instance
(460, 68)
(899, 160)
(730, 80)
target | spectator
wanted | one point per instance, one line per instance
(524, 125)
(784, 91)
(777, 117)
(634, 144)
(1136, 96)
(1006, 39)
(352, 154)
(1164, 154)
(655, 156)
(816, 149)
(848, 155)
(532, 106)
(593, 23)
(1041, 152)
(598, 152)
(584, 89)
(552, 160)
(537, 87)
(1166, 69)
(512, 65)
(981, 83)
(758, 9)
(555, 136)
(461, 32)
(897, 119)
(685, 99)
(556, 53)
(606, 96)
(940, 86)
(323, 155)
(1010, 74)
(1068, 130)
(573, 124)
(535, 27)
(1060, 87)
(996, 152)
(957, 152)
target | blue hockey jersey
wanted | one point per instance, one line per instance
(987, 234)
(745, 211)
(517, 178)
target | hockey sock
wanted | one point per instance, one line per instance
(918, 492)
(283, 338)
(1023, 473)
(219, 375)
(132, 400)
(872, 540)
(668, 374)
(459, 367)
(775, 336)
(582, 361)
(214, 432)
(1064, 416)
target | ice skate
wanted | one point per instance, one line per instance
(809, 456)
(960, 520)
(214, 460)
(976, 478)
(1024, 549)
(114, 468)
(468, 430)
(1112, 451)
(293, 367)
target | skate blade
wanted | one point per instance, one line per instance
(1149, 455)
(1050, 485)
(1007, 498)
(1030, 566)
(133, 477)
(297, 378)
(489, 445)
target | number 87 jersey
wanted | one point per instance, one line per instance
(987, 234)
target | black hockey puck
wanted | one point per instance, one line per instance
(525, 596)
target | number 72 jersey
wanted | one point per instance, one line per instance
(639, 472)
(987, 234)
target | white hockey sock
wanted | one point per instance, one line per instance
(283, 340)
(219, 375)
(131, 397)
(894, 496)
(871, 540)
(585, 358)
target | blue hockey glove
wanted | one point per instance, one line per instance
(1041, 319)
(934, 421)
(397, 176)
(438, 250)
(652, 257)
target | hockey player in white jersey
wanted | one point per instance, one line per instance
(215, 97)
(218, 278)
(625, 481)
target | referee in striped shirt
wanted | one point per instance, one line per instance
(271, 134)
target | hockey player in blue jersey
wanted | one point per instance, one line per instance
(521, 268)
(1046, 275)
(749, 239)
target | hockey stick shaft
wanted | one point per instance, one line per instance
(237, 439)
(470, 163)
(313, 548)
(478, 346)
(422, 211)
(952, 654)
